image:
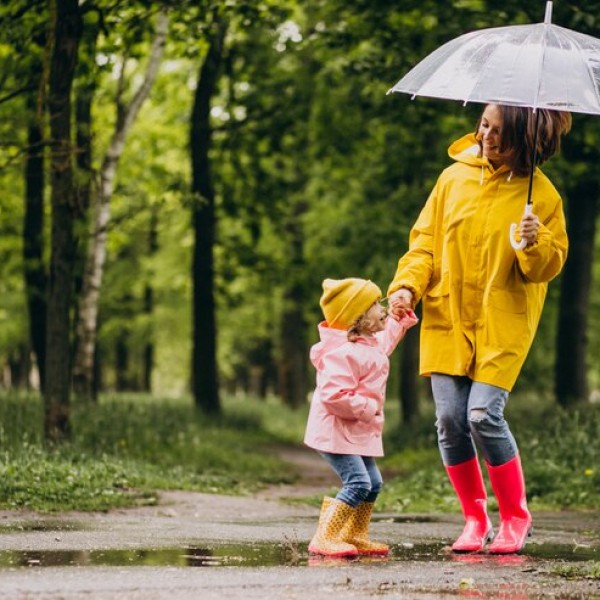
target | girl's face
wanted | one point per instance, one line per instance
(489, 133)
(374, 318)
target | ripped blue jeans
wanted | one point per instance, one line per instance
(470, 416)
(361, 478)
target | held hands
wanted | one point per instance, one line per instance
(529, 227)
(400, 303)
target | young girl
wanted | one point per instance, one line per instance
(345, 422)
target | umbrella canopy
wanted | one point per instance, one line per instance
(540, 66)
(537, 66)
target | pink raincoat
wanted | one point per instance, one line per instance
(346, 411)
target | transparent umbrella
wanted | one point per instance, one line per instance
(538, 66)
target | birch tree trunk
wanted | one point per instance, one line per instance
(66, 29)
(86, 331)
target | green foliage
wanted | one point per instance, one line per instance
(304, 139)
(40, 481)
(563, 457)
(560, 453)
(126, 448)
(589, 570)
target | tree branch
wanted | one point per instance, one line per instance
(15, 93)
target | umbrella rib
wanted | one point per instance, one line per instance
(540, 70)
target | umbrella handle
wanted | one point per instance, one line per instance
(521, 244)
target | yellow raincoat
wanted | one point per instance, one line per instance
(482, 300)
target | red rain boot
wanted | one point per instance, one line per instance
(468, 484)
(508, 484)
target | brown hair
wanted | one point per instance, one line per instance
(516, 141)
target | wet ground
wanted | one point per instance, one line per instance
(206, 546)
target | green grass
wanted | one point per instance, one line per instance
(587, 571)
(127, 447)
(560, 453)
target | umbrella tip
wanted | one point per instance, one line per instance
(548, 17)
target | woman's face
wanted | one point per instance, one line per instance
(489, 133)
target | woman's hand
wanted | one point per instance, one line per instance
(529, 227)
(400, 302)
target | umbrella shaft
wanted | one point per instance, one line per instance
(534, 154)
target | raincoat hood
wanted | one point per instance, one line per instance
(331, 339)
(467, 150)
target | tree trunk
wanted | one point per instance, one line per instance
(122, 362)
(83, 371)
(148, 357)
(571, 384)
(409, 377)
(83, 136)
(293, 385)
(204, 359)
(33, 230)
(66, 32)
(83, 113)
(20, 367)
(149, 308)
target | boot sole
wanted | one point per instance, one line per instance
(340, 554)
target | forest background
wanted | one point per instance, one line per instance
(179, 177)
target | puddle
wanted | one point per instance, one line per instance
(532, 550)
(285, 554)
(249, 555)
(562, 552)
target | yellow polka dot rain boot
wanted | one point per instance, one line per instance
(327, 540)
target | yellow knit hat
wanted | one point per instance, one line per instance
(345, 300)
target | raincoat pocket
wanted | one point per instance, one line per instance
(509, 301)
(357, 432)
(436, 307)
(507, 320)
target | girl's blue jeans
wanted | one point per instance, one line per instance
(361, 479)
(470, 415)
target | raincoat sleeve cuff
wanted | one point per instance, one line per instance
(542, 260)
(544, 236)
(409, 320)
(395, 329)
(371, 408)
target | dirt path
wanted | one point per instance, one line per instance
(256, 547)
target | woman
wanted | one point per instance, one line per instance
(482, 302)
